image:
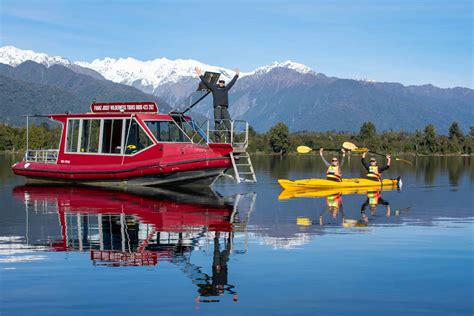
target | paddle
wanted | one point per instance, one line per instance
(306, 149)
(354, 148)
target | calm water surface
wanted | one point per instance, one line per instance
(242, 250)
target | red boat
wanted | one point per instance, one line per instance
(130, 144)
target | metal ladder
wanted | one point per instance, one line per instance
(243, 168)
(244, 205)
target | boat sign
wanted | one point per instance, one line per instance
(124, 107)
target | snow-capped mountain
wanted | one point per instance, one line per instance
(286, 64)
(13, 56)
(285, 91)
(151, 76)
(172, 80)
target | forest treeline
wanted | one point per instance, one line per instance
(41, 136)
(279, 140)
(427, 141)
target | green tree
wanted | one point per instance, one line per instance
(430, 142)
(418, 140)
(456, 138)
(367, 131)
(455, 132)
(37, 137)
(368, 136)
(258, 142)
(279, 138)
(6, 137)
(468, 145)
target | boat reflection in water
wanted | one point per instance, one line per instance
(335, 206)
(145, 227)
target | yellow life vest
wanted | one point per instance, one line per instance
(334, 172)
(374, 172)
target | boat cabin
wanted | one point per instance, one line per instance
(114, 131)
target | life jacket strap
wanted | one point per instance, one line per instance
(373, 175)
(333, 176)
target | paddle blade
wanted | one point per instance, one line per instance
(360, 150)
(303, 149)
(349, 146)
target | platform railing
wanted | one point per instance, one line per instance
(234, 132)
(42, 155)
(197, 133)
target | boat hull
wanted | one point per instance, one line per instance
(198, 172)
(185, 178)
(328, 184)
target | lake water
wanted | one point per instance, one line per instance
(242, 250)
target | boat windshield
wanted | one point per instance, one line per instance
(167, 131)
(193, 129)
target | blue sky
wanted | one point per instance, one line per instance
(412, 42)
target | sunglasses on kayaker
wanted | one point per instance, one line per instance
(334, 160)
(221, 81)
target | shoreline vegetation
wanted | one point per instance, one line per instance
(279, 141)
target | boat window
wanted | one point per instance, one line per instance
(112, 136)
(90, 136)
(72, 135)
(137, 138)
(192, 130)
(167, 131)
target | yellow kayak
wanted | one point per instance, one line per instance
(324, 192)
(328, 184)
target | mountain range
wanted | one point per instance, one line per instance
(34, 88)
(282, 91)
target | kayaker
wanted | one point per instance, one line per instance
(220, 94)
(334, 171)
(374, 172)
(374, 199)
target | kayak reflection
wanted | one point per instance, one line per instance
(334, 206)
(145, 227)
(321, 193)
